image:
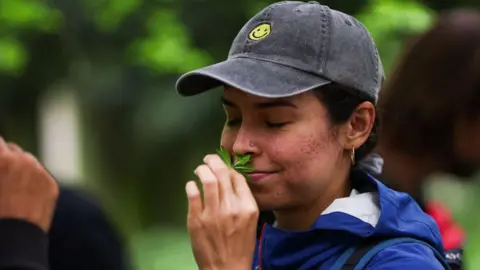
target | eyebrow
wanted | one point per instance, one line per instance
(263, 105)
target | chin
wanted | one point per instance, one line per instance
(272, 204)
(265, 203)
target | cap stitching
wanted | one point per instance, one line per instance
(371, 89)
(374, 88)
(325, 30)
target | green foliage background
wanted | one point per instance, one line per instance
(140, 139)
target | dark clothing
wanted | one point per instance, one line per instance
(23, 246)
(81, 238)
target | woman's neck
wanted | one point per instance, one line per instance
(302, 218)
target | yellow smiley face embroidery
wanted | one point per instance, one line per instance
(260, 32)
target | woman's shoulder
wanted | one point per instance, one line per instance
(406, 256)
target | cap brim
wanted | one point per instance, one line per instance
(257, 77)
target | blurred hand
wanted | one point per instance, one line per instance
(222, 227)
(27, 190)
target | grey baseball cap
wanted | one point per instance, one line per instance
(292, 47)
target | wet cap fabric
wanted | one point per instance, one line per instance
(292, 47)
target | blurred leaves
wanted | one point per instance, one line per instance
(28, 14)
(18, 17)
(382, 17)
(167, 47)
(391, 22)
(13, 56)
(108, 14)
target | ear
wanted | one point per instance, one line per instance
(359, 125)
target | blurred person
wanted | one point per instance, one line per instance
(300, 87)
(28, 194)
(430, 117)
(82, 237)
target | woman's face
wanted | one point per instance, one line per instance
(296, 152)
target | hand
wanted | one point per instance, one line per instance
(27, 190)
(222, 228)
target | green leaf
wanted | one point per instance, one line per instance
(225, 156)
(246, 177)
(246, 169)
(241, 164)
(241, 160)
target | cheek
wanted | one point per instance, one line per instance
(307, 157)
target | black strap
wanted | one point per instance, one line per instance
(358, 254)
(365, 247)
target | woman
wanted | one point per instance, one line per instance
(430, 120)
(300, 85)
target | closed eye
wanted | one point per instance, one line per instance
(276, 125)
(234, 122)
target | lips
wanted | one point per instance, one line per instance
(258, 176)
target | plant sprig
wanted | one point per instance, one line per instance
(241, 164)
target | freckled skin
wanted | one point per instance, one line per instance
(306, 154)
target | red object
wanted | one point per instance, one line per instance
(453, 236)
(259, 266)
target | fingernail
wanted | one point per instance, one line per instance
(191, 189)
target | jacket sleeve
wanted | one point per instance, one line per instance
(23, 246)
(405, 256)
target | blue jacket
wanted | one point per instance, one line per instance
(372, 210)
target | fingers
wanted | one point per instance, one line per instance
(210, 187)
(225, 190)
(14, 147)
(3, 146)
(241, 187)
(6, 151)
(194, 200)
(9, 147)
(27, 190)
(223, 174)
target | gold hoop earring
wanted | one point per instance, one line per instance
(352, 156)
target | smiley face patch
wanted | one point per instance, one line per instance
(260, 32)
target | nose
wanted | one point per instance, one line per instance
(244, 143)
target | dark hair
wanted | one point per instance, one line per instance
(436, 83)
(341, 102)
